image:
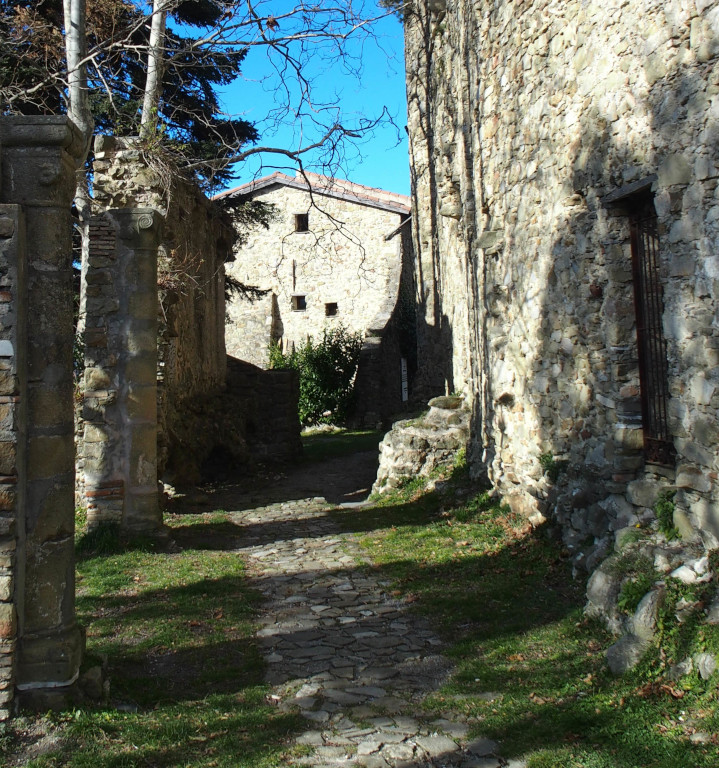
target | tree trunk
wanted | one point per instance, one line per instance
(78, 111)
(153, 84)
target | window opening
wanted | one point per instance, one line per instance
(331, 309)
(302, 222)
(649, 309)
(299, 303)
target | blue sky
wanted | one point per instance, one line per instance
(378, 160)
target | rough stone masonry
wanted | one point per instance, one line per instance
(555, 145)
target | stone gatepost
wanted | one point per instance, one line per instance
(12, 434)
(40, 641)
(119, 444)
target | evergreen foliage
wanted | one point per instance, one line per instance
(327, 371)
(189, 119)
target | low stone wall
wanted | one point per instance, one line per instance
(254, 419)
(417, 447)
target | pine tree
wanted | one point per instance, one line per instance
(186, 109)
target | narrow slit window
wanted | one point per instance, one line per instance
(649, 307)
(331, 309)
(299, 303)
(302, 222)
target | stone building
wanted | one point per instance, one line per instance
(334, 253)
(567, 205)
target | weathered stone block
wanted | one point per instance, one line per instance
(704, 513)
(674, 169)
(142, 513)
(141, 370)
(8, 383)
(626, 653)
(50, 407)
(7, 526)
(54, 658)
(8, 621)
(644, 492)
(8, 497)
(49, 585)
(631, 438)
(6, 588)
(52, 512)
(50, 455)
(97, 379)
(8, 455)
(644, 621)
(142, 403)
(691, 477)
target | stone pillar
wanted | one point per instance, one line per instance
(119, 446)
(12, 382)
(38, 174)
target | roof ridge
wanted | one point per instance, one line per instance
(304, 178)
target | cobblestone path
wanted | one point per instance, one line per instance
(347, 654)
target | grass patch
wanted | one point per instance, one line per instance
(531, 671)
(186, 676)
(318, 446)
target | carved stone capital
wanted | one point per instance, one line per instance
(41, 131)
(138, 228)
(39, 156)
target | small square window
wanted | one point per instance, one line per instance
(299, 303)
(331, 309)
(302, 222)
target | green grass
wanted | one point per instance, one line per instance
(530, 670)
(177, 631)
(318, 446)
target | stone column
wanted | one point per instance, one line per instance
(12, 443)
(38, 173)
(119, 447)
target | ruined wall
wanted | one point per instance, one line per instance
(524, 117)
(117, 451)
(196, 241)
(343, 259)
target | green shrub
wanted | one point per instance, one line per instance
(550, 466)
(327, 371)
(633, 591)
(664, 510)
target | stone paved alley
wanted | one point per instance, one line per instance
(344, 651)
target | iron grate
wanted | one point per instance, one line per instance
(649, 307)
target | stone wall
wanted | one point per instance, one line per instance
(343, 259)
(388, 358)
(117, 452)
(197, 239)
(267, 403)
(527, 120)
